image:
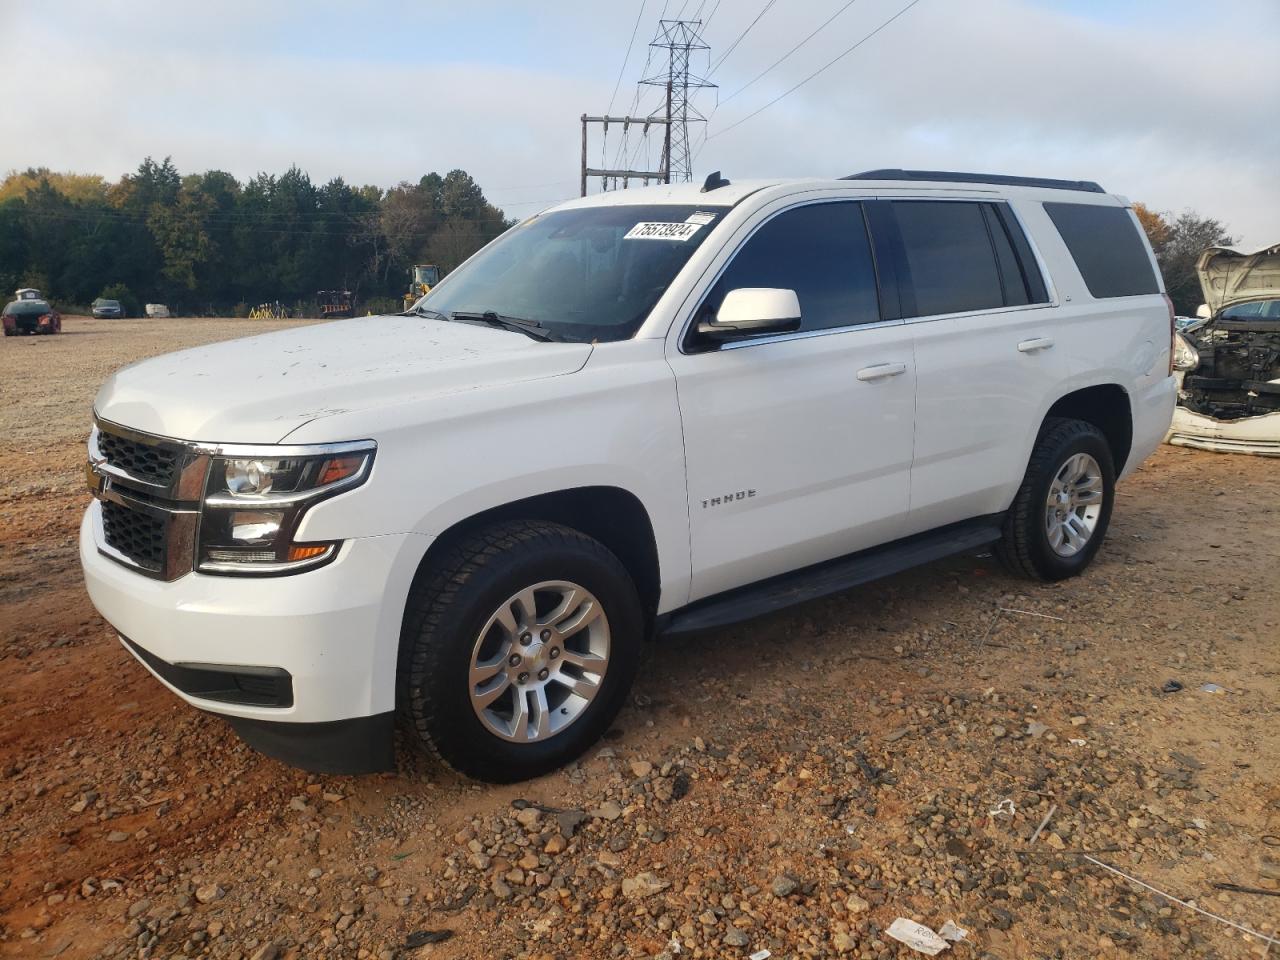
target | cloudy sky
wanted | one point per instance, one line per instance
(1172, 102)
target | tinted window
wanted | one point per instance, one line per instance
(950, 260)
(1258, 310)
(592, 273)
(820, 251)
(26, 308)
(1015, 285)
(1105, 244)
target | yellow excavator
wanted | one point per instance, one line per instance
(425, 276)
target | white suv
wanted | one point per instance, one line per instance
(646, 412)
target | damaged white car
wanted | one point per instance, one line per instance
(1229, 363)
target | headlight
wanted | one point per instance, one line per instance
(1185, 356)
(254, 501)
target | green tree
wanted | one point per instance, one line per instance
(1189, 236)
(208, 242)
(179, 229)
(13, 244)
(118, 291)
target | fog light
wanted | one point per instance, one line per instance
(256, 526)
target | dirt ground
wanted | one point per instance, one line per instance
(791, 785)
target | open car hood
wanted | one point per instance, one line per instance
(1230, 276)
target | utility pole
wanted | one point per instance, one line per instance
(679, 38)
(623, 174)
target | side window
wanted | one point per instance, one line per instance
(1105, 245)
(821, 251)
(1011, 278)
(949, 257)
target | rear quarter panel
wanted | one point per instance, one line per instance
(1120, 340)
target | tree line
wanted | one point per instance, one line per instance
(1177, 241)
(205, 243)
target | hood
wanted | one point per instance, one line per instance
(259, 389)
(1230, 276)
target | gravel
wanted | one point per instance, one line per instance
(789, 785)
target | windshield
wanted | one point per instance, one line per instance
(1257, 310)
(589, 274)
(26, 308)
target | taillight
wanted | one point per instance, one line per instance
(1173, 330)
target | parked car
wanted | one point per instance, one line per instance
(107, 309)
(30, 316)
(654, 411)
(1229, 363)
(157, 311)
(28, 293)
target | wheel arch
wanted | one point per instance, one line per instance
(1107, 407)
(612, 515)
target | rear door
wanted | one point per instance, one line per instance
(797, 445)
(982, 325)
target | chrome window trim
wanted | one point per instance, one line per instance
(1045, 276)
(971, 196)
(804, 335)
(781, 337)
(993, 311)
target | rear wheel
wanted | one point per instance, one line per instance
(1060, 515)
(518, 650)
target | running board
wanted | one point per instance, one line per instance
(834, 576)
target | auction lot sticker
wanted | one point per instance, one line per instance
(662, 231)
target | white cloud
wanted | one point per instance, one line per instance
(1170, 104)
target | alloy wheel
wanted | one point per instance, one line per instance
(539, 661)
(1073, 505)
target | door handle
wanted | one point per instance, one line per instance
(881, 371)
(1039, 343)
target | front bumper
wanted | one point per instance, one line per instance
(1257, 435)
(334, 632)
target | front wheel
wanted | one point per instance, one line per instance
(1060, 515)
(518, 649)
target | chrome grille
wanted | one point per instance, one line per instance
(149, 489)
(140, 537)
(153, 464)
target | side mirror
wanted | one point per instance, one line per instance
(753, 312)
(1203, 311)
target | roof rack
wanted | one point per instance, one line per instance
(950, 176)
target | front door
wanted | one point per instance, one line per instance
(798, 446)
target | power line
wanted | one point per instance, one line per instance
(733, 46)
(627, 56)
(775, 63)
(815, 73)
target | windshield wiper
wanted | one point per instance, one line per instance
(417, 311)
(530, 328)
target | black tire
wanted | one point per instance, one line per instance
(1024, 548)
(446, 612)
